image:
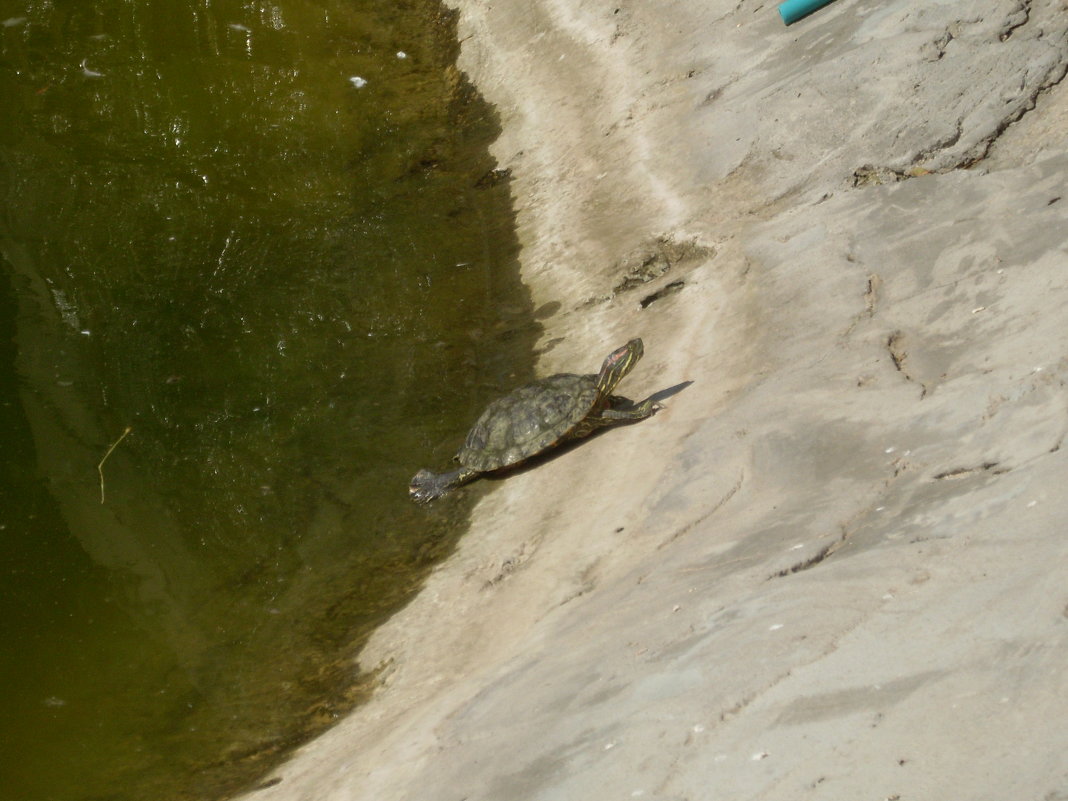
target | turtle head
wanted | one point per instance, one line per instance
(618, 363)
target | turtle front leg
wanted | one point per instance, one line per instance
(630, 411)
(426, 486)
(618, 410)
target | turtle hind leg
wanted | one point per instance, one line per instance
(425, 486)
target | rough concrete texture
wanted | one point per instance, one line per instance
(836, 565)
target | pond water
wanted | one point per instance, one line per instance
(243, 297)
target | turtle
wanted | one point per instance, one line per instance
(539, 416)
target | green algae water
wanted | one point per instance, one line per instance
(256, 270)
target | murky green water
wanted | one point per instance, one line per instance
(294, 291)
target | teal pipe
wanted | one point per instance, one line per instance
(793, 10)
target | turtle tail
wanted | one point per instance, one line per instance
(426, 486)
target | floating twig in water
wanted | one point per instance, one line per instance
(100, 467)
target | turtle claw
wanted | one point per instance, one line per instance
(425, 487)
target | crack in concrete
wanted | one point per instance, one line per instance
(961, 472)
(983, 147)
(820, 555)
(874, 174)
(895, 345)
(1017, 19)
(715, 508)
(871, 300)
(663, 292)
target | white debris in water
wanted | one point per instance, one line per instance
(11, 22)
(237, 26)
(402, 55)
(88, 73)
(67, 310)
(358, 82)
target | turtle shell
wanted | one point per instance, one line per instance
(528, 420)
